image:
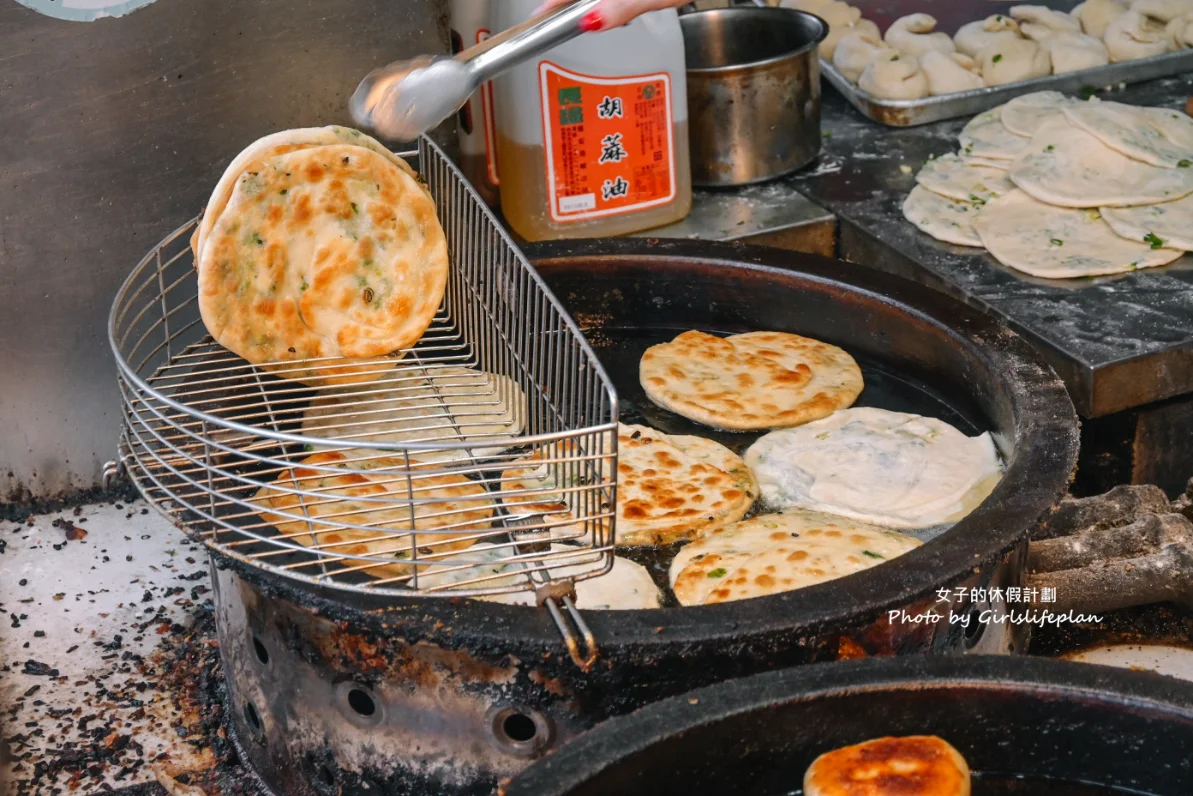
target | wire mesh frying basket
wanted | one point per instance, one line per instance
(480, 462)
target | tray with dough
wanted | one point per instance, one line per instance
(910, 113)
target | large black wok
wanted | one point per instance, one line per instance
(1026, 726)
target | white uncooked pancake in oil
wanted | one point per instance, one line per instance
(627, 586)
(945, 219)
(888, 468)
(774, 553)
(950, 176)
(1059, 242)
(1066, 166)
(1169, 224)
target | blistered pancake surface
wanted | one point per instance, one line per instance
(330, 251)
(453, 514)
(774, 553)
(257, 153)
(923, 765)
(668, 488)
(749, 381)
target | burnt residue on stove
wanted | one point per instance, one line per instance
(99, 742)
(154, 675)
(21, 505)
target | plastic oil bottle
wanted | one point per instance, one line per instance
(592, 136)
(476, 130)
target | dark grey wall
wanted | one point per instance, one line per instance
(112, 133)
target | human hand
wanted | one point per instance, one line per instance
(614, 13)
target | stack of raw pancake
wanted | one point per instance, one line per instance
(1059, 188)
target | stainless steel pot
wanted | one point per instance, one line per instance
(753, 92)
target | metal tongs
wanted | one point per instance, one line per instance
(403, 100)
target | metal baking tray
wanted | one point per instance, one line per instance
(909, 113)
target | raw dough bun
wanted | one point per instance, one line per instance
(985, 136)
(945, 219)
(950, 73)
(1180, 32)
(854, 51)
(626, 587)
(1134, 35)
(973, 37)
(1012, 61)
(1039, 22)
(417, 405)
(893, 469)
(1095, 15)
(751, 381)
(1072, 52)
(1057, 242)
(828, 47)
(894, 75)
(1025, 114)
(811, 6)
(949, 175)
(1068, 167)
(913, 35)
(1163, 10)
(1169, 224)
(1159, 136)
(668, 488)
(838, 15)
(775, 553)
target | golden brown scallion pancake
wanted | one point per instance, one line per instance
(324, 252)
(923, 765)
(750, 381)
(255, 154)
(379, 501)
(774, 553)
(421, 404)
(668, 488)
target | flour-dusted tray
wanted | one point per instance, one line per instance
(909, 113)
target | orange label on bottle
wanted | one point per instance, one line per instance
(607, 141)
(487, 120)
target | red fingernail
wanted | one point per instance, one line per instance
(592, 21)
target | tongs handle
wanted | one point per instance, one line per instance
(494, 55)
(406, 98)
